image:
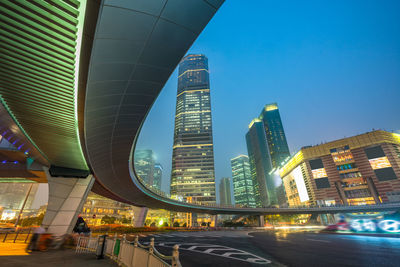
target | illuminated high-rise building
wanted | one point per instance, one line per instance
(243, 188)
(225, 191)
(268, 149)
(192, 174)
(144, 166)
(157, 176)
(276, 138)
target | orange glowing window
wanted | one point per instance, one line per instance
(380, 163)
(319, 173)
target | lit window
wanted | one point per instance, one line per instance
(380, 163)
(319, 173)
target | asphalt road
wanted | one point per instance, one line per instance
(278, 248)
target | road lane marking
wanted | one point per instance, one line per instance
(319, 240)
(212, 250)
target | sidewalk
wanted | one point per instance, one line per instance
(12, 249)
(56, 258)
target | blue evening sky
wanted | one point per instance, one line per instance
(333, 67)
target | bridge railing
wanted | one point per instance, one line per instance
(126, 253)
(261, 209)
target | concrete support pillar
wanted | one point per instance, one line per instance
(261, 221)
(66, 199)
(313, 220)
(331, 219)
(139, 214)
(323, 219)
(215, 220)
(194, 222)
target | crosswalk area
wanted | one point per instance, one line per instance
(193, 235)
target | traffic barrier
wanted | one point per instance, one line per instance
(86, 244)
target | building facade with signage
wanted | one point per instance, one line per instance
(363, 169)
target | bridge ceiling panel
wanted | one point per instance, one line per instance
(38, 74)
(137, 46)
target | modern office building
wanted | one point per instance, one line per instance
(260, 164)
(267, 148)
(363, 169)
(243, 188)
(225, 191)
(276, 138)
(157, 176)
(193, 154)
(144, 166)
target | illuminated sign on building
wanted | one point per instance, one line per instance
(319, 173)
(301, 186)
(379, 163)
(368, 225)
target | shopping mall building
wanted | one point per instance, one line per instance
(363, 169)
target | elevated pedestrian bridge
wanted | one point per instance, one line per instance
(78, 78)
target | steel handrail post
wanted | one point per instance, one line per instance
(26, 239)
(151, 250)
(16, 235)
(5, 237)
(175, 257)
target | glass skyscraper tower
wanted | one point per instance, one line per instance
(243, 187)
(276, 139)
(192, 177)
(225, 191)
(157, 176)
(144, 166)
(268, 149)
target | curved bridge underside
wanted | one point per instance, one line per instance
(137, 46)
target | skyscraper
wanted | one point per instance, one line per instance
(225, 191)
(276, 139)
(193, 154)
(144, 165)
(268, 149)
(157, 176)
(243, 188)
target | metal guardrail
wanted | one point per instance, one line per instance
(127, 254)
(86, 244)
(18, 236)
